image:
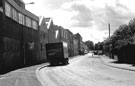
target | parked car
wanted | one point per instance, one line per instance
(95, 53)
(85, 51)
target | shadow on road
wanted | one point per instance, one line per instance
(53, 65)
(118, 62)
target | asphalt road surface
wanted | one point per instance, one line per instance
(85, 71)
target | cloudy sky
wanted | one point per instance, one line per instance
(90, 18)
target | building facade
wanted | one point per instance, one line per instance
(50, 25)
(19, 35)
(43, 38)
(76, 46)
(58, 34)
(79, 38)
(70, 43)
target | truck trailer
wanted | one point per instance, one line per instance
(57, 53)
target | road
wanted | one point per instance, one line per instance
(85, 71)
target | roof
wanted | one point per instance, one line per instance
(69, 31)
(40, 19)
(48, 22)
(47, 19)
(23, 11)
(21, 1)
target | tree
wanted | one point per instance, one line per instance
(90, 44)
(121, 36)
(131, 29)
(122, 41)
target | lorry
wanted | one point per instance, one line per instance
(57, 53)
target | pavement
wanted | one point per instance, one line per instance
(21, 77)
(113, 63)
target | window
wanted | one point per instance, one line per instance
(65, 35)
(41, 47)
(1, 3)
(34, 25)
(7, 9)
(1, 9)
(23, 19)
(28, 22)
(14, 14)
(43, 35)
(62, 33)
(56, 33)
(20, 18)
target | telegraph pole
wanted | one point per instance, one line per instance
(110, 44)
(109, 29)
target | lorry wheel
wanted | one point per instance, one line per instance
(51, 64)
(65, 63)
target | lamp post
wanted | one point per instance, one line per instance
(26, 4)
(23, 40)
(29, 3)
(110, 46)
(109, 29)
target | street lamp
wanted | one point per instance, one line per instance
(23, 43)
(29, 3)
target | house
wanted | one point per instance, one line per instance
(70, 43)
(79, 38)
(58, 34)
(49, 25)
(76, 46)
(44, 37)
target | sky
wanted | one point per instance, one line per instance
(90, 18)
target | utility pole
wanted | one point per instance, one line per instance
(110, 55)
(109, 29)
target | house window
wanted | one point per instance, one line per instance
(62, 33)
(28, 22)
(65, 35)
(7, 9)
(14, 14)
(56, 33)
(43, 35)
(41, 47)
(20, 18)
(34, 25)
